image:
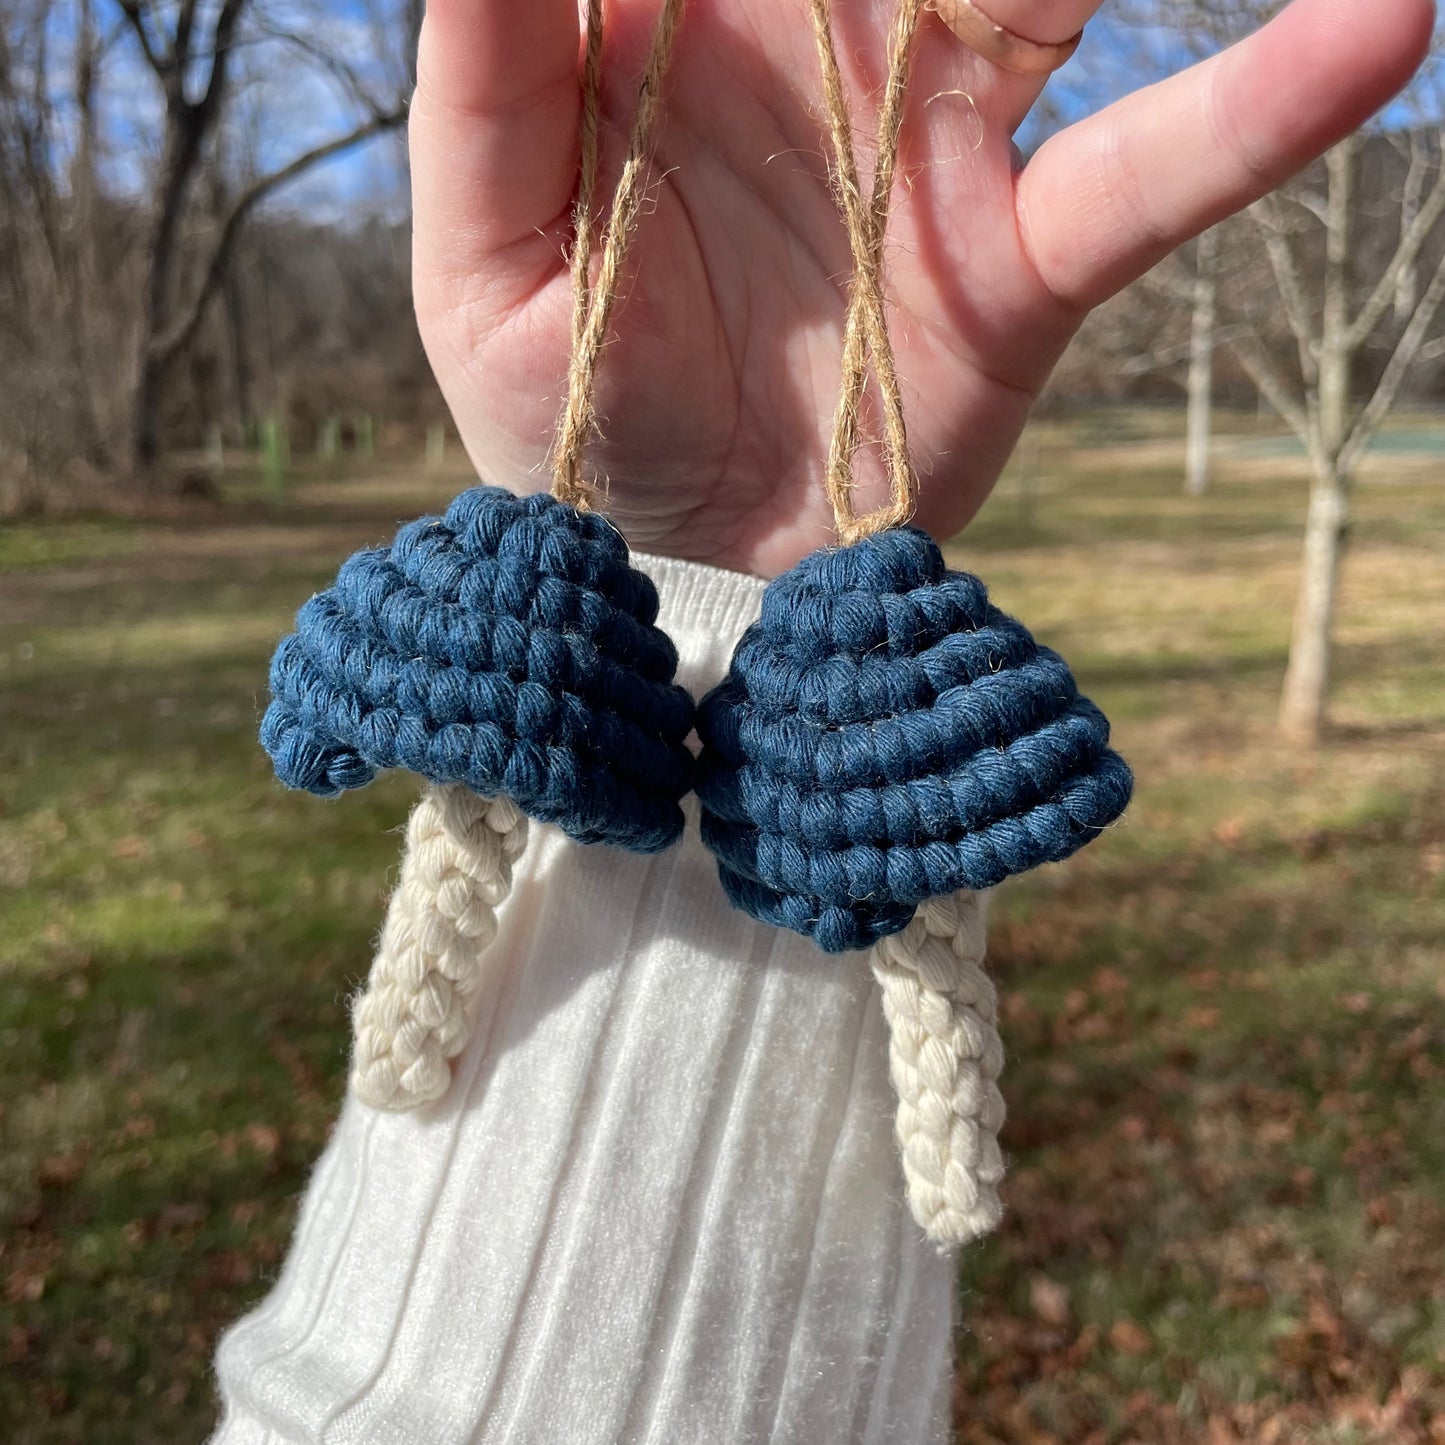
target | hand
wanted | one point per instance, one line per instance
(717, 393)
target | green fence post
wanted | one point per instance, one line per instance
(436, 445)
(275, 456)
(326, 439)
(215, 451)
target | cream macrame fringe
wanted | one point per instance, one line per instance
(416, 1013)
(944, 1052)
(945, 1056)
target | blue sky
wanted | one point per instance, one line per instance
(1126, 47)
(286, 102)
(289, 103)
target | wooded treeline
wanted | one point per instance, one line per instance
(1138, 347)
(150, 292)
(163, 282)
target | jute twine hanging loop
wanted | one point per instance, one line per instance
(866, 329)
(592, 304)
(945, 1053)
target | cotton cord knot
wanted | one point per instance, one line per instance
(421, 998)
(508, 646)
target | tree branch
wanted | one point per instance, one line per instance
(1406, 254)
(1272, 385)
(1283, 263)
(1314, 203)
(34, 127)
(1387, 392)
(345, 78)
(175, 337)
(221, 37)
(185, 23)
(132, 11)
(1167, 284)
(1432, 350)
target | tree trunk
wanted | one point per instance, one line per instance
(178, 161)
(1201, 370)
(85, 211)
(145, 445)
(235, 321)
(233, 298)
(185, 130)
(1307, 678)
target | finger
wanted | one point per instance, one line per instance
(1108, 198)
(493, 126)
(1004, 96)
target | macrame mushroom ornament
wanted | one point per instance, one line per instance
(506, 652)
(888, 744)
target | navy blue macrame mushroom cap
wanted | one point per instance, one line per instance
(886, 735)
(509, 646)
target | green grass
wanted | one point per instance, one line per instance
(28, 545)
(1224, 1021)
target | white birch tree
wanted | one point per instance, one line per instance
(1334, 313)
(1340, 300)
(1203, 323)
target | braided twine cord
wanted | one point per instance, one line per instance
(945, 1054)
(592, 305)
(866, 329)
(416, 1013)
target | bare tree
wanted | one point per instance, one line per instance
(1334, 314)
(44, 419)
(1203, 321)
(192, 53)
(139, 146)
(1342, 297)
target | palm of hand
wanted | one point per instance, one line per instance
(718, 390)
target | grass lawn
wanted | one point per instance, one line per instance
(1225, 1021)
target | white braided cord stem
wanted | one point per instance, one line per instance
(945, 1056)
(416, 1013)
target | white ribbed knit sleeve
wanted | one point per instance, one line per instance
(660, 1204)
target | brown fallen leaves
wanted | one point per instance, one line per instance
(1225, 1223)
(1129, 1338)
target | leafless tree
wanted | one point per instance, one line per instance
(129, 184)
(1349, 281)
(1204, 319)
(43, 416)
(192, 53)
(1335, 313)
